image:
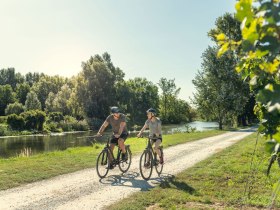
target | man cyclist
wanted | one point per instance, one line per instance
(117, 121)
(154, 125)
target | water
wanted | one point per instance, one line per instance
(30, 145)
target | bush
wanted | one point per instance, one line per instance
(55, 116)
(15, 108)
(3, 119)
(16, 122)
(3, 130)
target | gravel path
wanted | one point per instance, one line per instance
(84, 190)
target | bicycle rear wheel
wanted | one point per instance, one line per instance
(159, 166)
(125, 165)
(271, 161)
(146, 167)
(102, 164)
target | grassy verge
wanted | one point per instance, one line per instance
(216, 183)
(21, 170)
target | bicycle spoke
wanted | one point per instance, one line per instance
(102, 164)
(146, 167)
(125, 165)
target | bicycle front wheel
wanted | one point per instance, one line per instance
(159, 166)
(102, 164)
(146, 164)
(124, 165)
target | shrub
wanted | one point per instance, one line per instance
(16, 122)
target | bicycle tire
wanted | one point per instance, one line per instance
(102, 164)
(125, 165)
(271, 161)
(158, 166)
(146, 158)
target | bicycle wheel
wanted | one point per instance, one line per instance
(146, 167)
(102, 164)
(125, 165)
(159, 166)
(272, 159)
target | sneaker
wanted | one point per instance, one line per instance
(161, 160)
(110, 166)
(124, 156)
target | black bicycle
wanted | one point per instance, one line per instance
(104, 163)
(148, 160)
(274, 157)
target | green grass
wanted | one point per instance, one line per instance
(216, 183)
(22, 170)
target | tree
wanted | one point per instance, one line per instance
(22, 89)
(259, 59)
(220, 93)
(45, 85)
(95, 88)
(32, 102)
(7, 96)
(136, 96)
(168, 98)
(9, 77)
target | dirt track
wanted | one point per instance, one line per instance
(84, 190)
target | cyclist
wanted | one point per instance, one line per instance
(154, 125)
(117, 121)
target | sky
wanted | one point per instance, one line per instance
(151, 39)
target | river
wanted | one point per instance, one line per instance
(30, 145)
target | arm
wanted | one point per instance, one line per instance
(122, 126)
(102, 128)
(142, 130)
(158, 130)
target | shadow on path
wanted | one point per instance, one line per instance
(134, 180)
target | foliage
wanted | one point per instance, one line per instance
(95, 87)
(55, 116)
(135, 96)
(22, 89)
(9, 77)
(7, 96)
(32, 102)
(259, 58)
(171, 109)
(15, 121)
(45, 85)
(14, 108)
(34, 119)
(221, 93)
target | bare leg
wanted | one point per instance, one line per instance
(122, 145)
(157, 144)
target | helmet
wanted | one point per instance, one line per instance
(152, 111)
(115, 109)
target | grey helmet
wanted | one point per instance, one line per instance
(115, 109)
(152, 110)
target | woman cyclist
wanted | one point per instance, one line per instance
(154, 125)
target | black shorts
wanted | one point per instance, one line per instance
(123, 136)
(154, 139)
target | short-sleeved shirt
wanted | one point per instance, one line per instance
(154, 127)
(116, 123)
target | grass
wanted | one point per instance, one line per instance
(21, 170)
(227, 180)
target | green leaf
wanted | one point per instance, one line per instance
(270, 145)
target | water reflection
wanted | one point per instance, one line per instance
(30, 145)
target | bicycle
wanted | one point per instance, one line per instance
(274, 157)
(103, 162)
(148, 160)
